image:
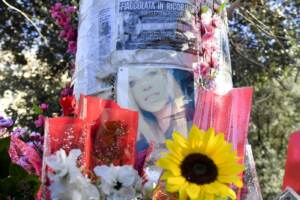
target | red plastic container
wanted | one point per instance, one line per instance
(292, 173)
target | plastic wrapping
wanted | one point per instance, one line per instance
(120, 32)
(114, 32)
(223, 80)
(163, 97)
(19, 149)
(113, 138)
(61, 133)
(229, 114)
(111, 131)
(292, 175)
(251, 189)
(104, 132)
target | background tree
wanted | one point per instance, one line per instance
(264, 38)
(265, 51)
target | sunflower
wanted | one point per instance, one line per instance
(200, 167)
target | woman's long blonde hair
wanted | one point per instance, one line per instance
(147, 127)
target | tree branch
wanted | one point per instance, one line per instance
(30, 20)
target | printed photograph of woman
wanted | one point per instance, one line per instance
(164, 98)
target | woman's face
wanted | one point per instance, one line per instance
(149, 89)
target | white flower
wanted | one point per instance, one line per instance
(67, 181)
(119, 182)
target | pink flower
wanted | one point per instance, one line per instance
(44, 106)
(70, 9)
(204, 69)
(71, 34)
(207, 36)
(213, 63)
(40, 121)
(35, 136)
(19, 132)
(64, 21)
(63, 34)
(57, 6)
(67, 91)
(72, 47)
(23, 162)
(55, 15)
(215, 22)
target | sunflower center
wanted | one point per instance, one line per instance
(199, 169)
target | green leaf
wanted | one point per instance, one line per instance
(34, 183)
(221, 8)
(8, 186)
(16, 170)
(19, 187)
(37, 110)
(4, 157)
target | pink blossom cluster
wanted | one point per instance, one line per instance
(209, 50)
(63, 15)
(40, 121)
(26, 150)
(33, 139)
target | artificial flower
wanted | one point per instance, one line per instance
(119, 182)
(40, 121)
(63, 16)
(68, 183)
(67, 91)
(44, 106)
(20, 133)
(72, 47)
(68, 105)
(201, 166)
(25, 155)
(6, 123)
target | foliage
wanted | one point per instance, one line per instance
(15, 182)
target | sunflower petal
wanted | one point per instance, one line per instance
(179, 180)
(230, 169)
(206, 139)
(173, 148)
(172, 188)
(166, 175)
(209, 188)
(180, 139)
(182, 193)
(193, 191)
(195, 137)
(168, 165)
(225, 190)
(217, 141)
(209, 196)
(236, 180)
